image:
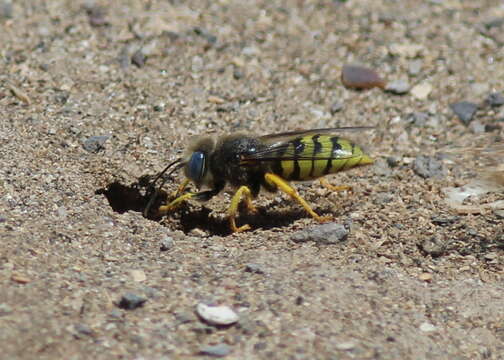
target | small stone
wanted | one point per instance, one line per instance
(5, 309)
(138, 275)
(237, 74)
(495, 99)
(392, 161)
(435, 246)
(499, 213)
(360, 77)
(216, 100)
(414, 67)
(130, 301)
(398, 87)
(406, 50)
(254, 268)
(95, 143)
(447, 220)
(427, 167)
(464, 110)
(336, 106)
(20, 278)
(330, 233)
(138, 58)
(346, 346)
(216, 315)
(421, 91)
(425, 276)
(83, 329)
(166, 243)
(427, 327)
(418, 118)
(96, 15)
(477, 127)
(219, 350)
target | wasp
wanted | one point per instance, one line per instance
(251, 163)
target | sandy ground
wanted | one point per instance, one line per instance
(414, 279)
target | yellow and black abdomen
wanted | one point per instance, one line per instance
(312, 156)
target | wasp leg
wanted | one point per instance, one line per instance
(181, 188)
(325, 183)
(289, 190)
(233, 208)
(175, 203)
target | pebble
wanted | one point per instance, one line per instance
(336, 106)
(20, 278)
(95, 143)
(398, 87)
(330, 233)
(434, 246)
(138, 275)
(425, 276)
(464, 110)
(406, 50)
(254, 268)
(495, 99)
(130, 301)
(216, 315)
(138, 58)
(345, 346)
(427, 327)
(421, 91)
(360, 77)
(414, 67)
(219, 350)
(418, 118)
(427, 167)
(166, 243)
(5, 309)
(447, 220)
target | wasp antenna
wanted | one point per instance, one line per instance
(178, 164)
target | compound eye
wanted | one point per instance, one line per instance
(196, 166)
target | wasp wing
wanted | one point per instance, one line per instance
(314, 144)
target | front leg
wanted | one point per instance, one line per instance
(200, 196)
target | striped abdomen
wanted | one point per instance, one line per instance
(310, 157)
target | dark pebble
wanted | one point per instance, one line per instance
(330, 233)
(427, 167)
(254, 268)
(392, 161)
(130, 301)
(495, 99)
(439, 220)
(464, 110)
(138, 58)
(95, 143)
(237, 74)
(96, 15)
(359, 77)
(434, 246)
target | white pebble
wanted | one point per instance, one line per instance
(216, 315)
(427, 327)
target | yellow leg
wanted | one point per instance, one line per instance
(325, 183)
(233, 208)
(181, 188)
(289, 190)
(175, 203)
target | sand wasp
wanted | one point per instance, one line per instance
(249, 163)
